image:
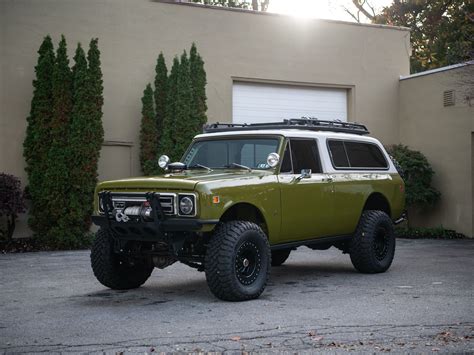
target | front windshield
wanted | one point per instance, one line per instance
(224, 152)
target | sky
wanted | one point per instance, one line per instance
(326, 9)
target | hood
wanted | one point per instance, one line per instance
(186, 180)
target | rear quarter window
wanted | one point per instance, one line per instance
(356, 155)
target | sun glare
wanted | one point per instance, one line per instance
(324, 9)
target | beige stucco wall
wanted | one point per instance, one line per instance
(367, 60)
(444, 135)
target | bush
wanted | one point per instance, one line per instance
(428, 233)
(11, 203)
(418, 176)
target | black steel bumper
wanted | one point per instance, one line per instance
(151, 230)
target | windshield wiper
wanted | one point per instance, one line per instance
(199, 166)
(235, 165)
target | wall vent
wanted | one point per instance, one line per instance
(448, 98)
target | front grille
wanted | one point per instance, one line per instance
(123, 200)
(167, 203)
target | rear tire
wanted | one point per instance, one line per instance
(372, 247)
(280, 256)
(237, 262)
(113, 272)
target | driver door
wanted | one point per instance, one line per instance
(307, 204)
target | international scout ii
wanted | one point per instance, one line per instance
(243, 197)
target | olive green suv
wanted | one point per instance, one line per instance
(243, 197)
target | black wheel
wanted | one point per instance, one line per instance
(237, 262)
(280, 256)
(372, 247)
(111, 270)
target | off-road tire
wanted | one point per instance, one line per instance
(110, 270)
(372, 247)
(230, 245)
(280, 256)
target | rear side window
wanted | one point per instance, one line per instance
(305, 155)
(338, 154)
(358, 155)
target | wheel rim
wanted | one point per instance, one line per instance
(247, 263)
(381, 243)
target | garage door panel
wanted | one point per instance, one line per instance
(267, 103)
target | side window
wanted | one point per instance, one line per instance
(338, 154)
(347, 154)
(305, 155)
(365, 155)
(286, 162)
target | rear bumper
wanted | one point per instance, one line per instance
(153, 230)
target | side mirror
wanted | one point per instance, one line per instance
(163, 161)
(273, 159)
(305, 174)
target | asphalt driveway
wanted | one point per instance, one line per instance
(51, 302)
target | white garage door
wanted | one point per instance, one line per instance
(254, 102)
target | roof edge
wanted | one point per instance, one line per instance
(437, 70)
(262, 13)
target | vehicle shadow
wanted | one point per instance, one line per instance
(302, 276)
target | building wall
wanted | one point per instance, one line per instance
(444, 135)
(234, 44)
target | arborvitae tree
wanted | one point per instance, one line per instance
(56, 178)
(148, 134)
(96, 91)
(79, 147)
(198, 83)
(185, 127)
(161, 82)
(36, 144)
(167, 140)
(95, 130)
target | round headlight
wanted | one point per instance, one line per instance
(273, 159)
(186, 205)
(163, 161)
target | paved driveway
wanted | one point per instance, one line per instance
(50, 301)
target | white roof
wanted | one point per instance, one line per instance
(295, 133)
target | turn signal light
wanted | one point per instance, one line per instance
(215, 199)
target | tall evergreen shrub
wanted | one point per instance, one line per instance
(161, 82)
(36, 144)
(148, 134)
(167, 140)
(198, 83)
(184, 126)
(56, 177)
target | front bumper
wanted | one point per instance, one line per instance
(152, 230)
(139, 228)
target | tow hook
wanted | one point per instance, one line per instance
(402, 218)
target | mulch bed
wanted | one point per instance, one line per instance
(25, 245)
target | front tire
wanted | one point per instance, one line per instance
(372, 247)
(237, 263)
(112, 271)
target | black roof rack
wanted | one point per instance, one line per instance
(304, 123)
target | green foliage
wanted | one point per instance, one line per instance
(418, 175)
(161, 82)
(428, 233)
(442, 32)
(184, 126)
(70, 151)
(256, 5)
(148, 134)
(183, 102)
(167, 141)
(36, 144)
(198, 83)
(56, 179)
